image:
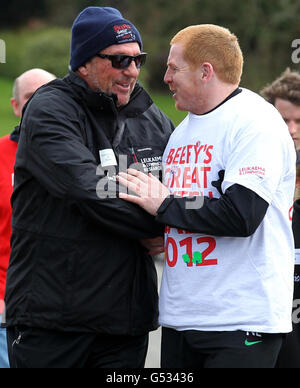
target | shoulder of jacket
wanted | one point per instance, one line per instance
(57, 96)
(156, 112)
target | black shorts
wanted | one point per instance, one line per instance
(36, 348)
(198, 349)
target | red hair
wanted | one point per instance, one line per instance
(213, 44)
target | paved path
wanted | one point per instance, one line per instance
(153, 359)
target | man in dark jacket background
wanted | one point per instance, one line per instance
(82, 287)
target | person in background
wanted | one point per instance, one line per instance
(81, 285)
(284, 94)
(289, 356)
(24, 87)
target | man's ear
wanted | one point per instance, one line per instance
(207, 71)
(16, 107)
(83, 70)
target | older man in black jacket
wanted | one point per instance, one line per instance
(82, 287)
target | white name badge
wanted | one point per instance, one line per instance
(297, 253)
(108, 158)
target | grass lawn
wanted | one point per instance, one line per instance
(8, 121)
(7, 118)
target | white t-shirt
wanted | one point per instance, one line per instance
(221, 283)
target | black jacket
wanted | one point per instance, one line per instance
(296, 223)
(76, 262)
(296, 230)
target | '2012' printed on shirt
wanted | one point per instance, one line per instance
(193, 256)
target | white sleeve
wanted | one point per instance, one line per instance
(257, 159)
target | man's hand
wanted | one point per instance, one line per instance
(155, 246)
(150, 192)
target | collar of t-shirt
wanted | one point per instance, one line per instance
(233, 94)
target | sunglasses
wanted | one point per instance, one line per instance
(124, 61)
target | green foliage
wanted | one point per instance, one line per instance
(14, 53)
(48, 49)
(8, 120)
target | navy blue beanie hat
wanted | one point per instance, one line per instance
(97, 28)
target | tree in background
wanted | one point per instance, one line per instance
(14, 13)
(266, 30)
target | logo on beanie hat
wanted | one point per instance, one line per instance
(124, 33)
